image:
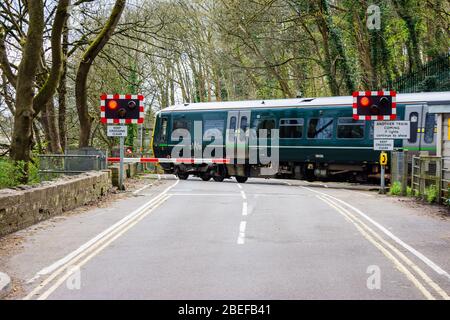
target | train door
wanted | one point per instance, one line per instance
(160, 136)
(413, 114)
(428, 132)
(238, 123)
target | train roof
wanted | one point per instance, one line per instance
(432, 98)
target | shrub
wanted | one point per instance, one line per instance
(396, 188)
(431, 194)
(409, 191)
(10, 174)
(8, 177)
(447, 201)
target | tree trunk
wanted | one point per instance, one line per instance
(47, 91)
(83, 72)
(37, 137)
(338, 46)
(62, 92)
(407, 11)
(54, 142)
(23, 118)
(327, 64)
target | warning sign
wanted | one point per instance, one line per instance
(391, 129)
(383, 158)
(117, 131)
(383, 145)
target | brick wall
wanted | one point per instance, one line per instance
(22, 208)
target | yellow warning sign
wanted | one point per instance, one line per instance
(383, 158)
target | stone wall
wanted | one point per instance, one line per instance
(22, 208)
(130, 170)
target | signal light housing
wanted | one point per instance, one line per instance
(122, 109)
(374, 105)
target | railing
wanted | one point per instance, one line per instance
(70, 164)
(438, 68)
(445, 180)
(430, 171)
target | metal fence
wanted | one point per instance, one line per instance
(72, 163)
(438, 69)
(428, 172)
(445, 180)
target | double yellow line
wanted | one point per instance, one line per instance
(57, 277)
(400, 261)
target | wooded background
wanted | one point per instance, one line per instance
(57, 57)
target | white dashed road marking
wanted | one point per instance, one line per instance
(242, 226)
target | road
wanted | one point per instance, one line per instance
(265, 239)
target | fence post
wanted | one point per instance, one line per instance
(439, 179)
(405, 172)
(413, 160)
(421, 176)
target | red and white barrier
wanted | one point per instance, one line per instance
(169, 160)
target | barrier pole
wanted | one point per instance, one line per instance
(383, 184)
(122, 142)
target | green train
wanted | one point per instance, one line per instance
(318, 138)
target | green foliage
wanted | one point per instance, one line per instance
(10, 174)
(132, 133)
(447, 201)
(396, 189)
(7, 174)
(409, 192)
(431, 194)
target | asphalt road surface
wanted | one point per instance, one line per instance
(265, 239)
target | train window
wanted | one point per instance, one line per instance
(320, 128)
(232, 127)
(243, 127)
(180, 124)
(232, 123)
(211, 125)
(244, 123)
(163, 132)
(291, 128)
(414, 119)
(267, 124)
(348, 128)
(430, 122)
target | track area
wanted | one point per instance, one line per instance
(265, 239)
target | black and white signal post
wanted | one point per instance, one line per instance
(118, 110)
(381, 107)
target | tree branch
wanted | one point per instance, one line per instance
(50, 85)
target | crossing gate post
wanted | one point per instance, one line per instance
(122, 142)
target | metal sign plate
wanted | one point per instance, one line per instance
(391, 129)
(383, 144)
(117, 131)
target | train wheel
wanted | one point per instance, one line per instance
(205, 177)
(218, 178)
(241, 179)
(182, 175)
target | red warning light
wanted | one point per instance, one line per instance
(365, 101)
(112, 104)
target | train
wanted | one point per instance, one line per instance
(318, 139)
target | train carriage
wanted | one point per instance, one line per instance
(318, 138)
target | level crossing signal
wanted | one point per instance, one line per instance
(374, 105)
(122, 108)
